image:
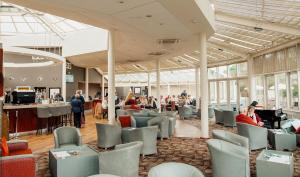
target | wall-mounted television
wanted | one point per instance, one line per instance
(69, 78)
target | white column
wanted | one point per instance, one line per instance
(251, 81)
(204, 86)
(158, 84)
(197, 82)
(111, 78)
(63, 80)
(149, 84)
(102, 87)
(86, 84)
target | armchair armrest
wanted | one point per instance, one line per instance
(18, 166)
(16, 145)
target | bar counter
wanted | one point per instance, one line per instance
(23, 117)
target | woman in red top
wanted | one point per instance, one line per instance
(250, 117)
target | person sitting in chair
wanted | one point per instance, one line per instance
(250, 117)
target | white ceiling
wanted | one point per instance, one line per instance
(139, 24)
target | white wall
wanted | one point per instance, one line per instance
(175, 90)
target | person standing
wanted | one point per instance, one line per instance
(76, 104)
(82, 101)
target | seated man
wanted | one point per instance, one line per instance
(250, 117)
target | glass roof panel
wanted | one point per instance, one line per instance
(7, 27)
(30, 19)
(18, 19)
(37, 27)
(23, 28)
(5, 19)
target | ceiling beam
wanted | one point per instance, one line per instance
(220, 16)
(227, 49)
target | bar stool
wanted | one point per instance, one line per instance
(42, 114)
(67, 118)
(55, 112)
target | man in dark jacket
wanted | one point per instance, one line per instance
(77, 109)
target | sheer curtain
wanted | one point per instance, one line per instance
(283, 60)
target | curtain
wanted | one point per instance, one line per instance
(283, 60)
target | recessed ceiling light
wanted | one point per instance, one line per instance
(121, 2)
(220, 49)
(149, 16)
(258, 29)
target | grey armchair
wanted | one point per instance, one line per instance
(229, 118)
(172, 121)
(123, 161)
(258, 136)
(187, 112)
(67, 136)
(228, 160)
(163, 126)
(219, 116)
(108, 135)
(231, 138)
(147, 135)
(173, 169)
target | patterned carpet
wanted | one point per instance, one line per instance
(191, 151)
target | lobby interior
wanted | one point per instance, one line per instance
(171, 88)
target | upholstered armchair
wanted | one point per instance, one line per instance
(172, 121)
(20, 162)
(108, 135)
(229, 118)
(163, 126)
(143, 117)
(219, 116)
(147, 135)
(173, 169)
(258, 136)
(67, 136)
(228, 160)
(123, 161)
(231, 138)
(187, 112)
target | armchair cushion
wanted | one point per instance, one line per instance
(20, 152)
(4, 147)
(125, 121)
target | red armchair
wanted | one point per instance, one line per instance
(20, 162)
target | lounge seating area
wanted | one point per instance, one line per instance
(150, 88)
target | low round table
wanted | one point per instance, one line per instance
(104, 175)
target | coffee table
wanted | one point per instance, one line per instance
(80, 161)
(270, 163)
(282, 140)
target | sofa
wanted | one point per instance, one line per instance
(163, 126)
(19, 162)
(142, 117)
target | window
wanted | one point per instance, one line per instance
(259, 92)
(242, 69)
(232, 70)
(223, 91)
(212, 73)
(244, 93)
(222, 72)
(294, 92)
(271, 102)
(233, 91)
(282, 92)
(213, 92)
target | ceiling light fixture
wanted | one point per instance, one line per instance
(191, 57)
(241, 46)
(218, 39)
(237, 39)
(148, 15)
(258, 29)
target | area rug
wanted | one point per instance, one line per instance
(191, 151)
